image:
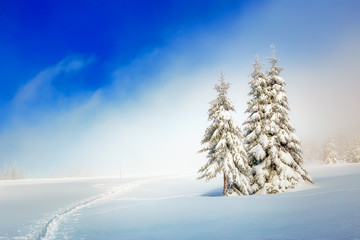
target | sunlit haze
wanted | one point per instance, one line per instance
(125, 86)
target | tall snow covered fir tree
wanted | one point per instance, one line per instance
(256, 138)
(274, 150)
(224, 147)
(329, 153)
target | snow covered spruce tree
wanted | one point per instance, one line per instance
(357, 149)
(256, 138)
(352, 151)
(224, 147)
(273, 148)
(349, 155)
(329, 153)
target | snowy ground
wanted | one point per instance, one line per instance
(180, 208)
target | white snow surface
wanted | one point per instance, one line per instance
(180, 207)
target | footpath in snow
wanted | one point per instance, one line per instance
(183, 208)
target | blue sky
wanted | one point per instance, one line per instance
(89, 83)
(37, 34)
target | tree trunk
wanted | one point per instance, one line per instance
(224, 190)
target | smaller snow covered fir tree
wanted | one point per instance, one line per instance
(329, 153)
(349, 155)
(224, 147)
(357, 149)
(352, 151)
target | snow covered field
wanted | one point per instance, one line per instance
(180, 207)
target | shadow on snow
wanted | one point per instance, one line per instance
(214, 193)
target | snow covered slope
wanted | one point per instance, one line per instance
(181, 208)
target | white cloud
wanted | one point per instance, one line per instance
(41, 83)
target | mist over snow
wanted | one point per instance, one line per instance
(150, 113)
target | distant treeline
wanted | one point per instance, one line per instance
(12, 172)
